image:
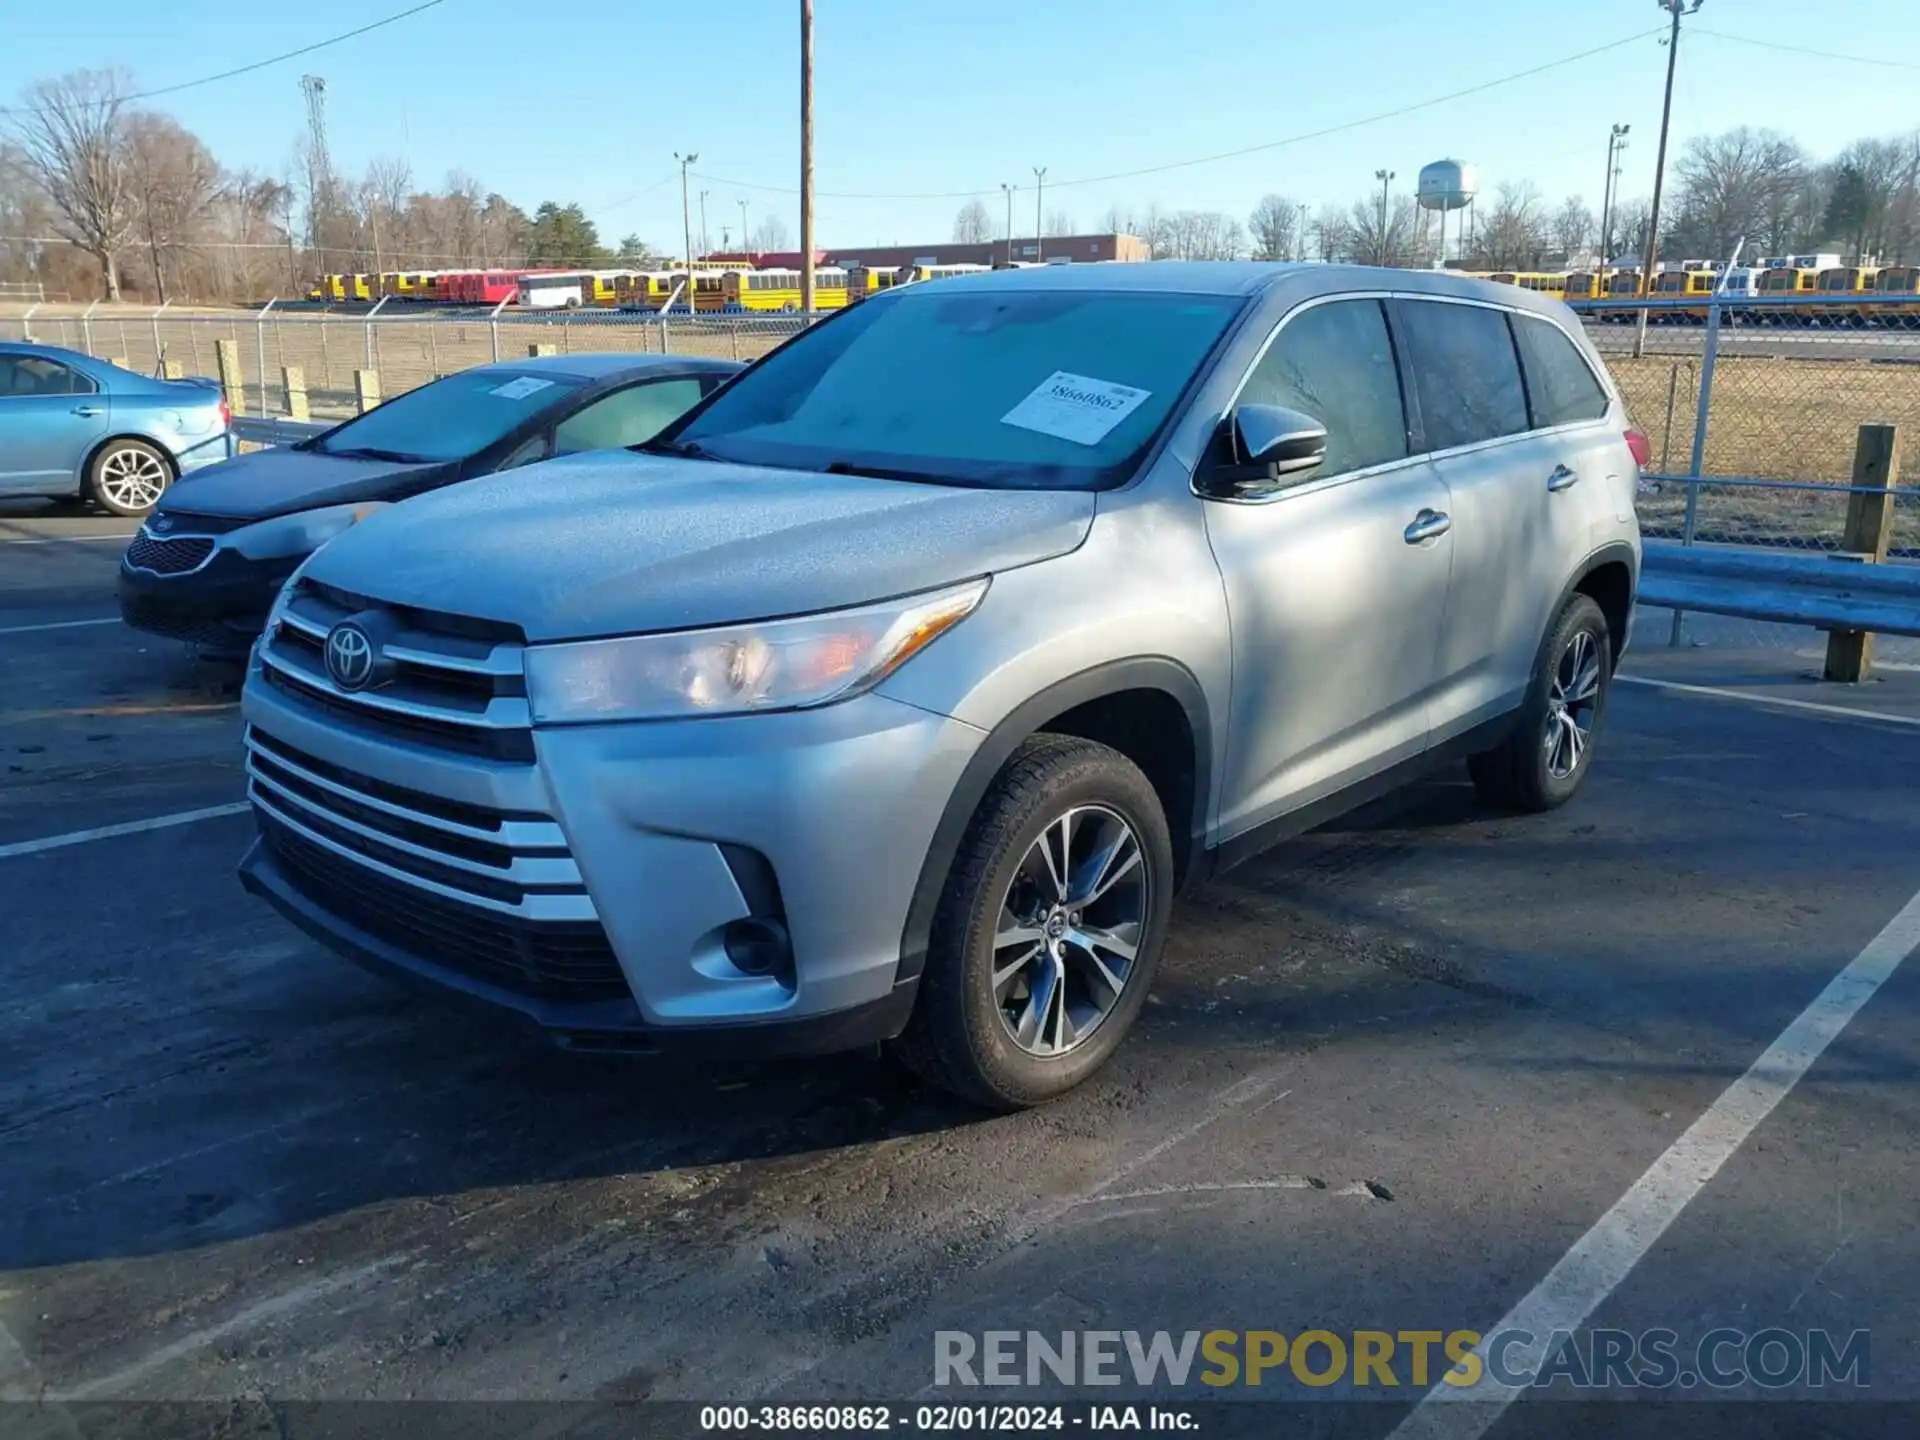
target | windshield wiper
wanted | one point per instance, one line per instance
(397, 456)
(881, 472)
(685, 449)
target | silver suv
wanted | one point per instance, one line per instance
(893, 693)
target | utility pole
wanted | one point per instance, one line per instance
(1039, 189)
(1009, 189)
(705, 243)
(1616, 146)
(686, 221)
(1385, 177)
(806, 157)
(746, 243)
(1676, 8)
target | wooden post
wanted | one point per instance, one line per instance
(538, 350)
(1876, 465)
(293, 381)
(119, 360)
(172, 370)
(227, 355)
(366, 389)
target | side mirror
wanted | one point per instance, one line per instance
(1257, 449)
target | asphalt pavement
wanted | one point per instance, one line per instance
(1427, 1069)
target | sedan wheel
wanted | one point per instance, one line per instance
(128, 477)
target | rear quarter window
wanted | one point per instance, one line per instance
(1561, 386)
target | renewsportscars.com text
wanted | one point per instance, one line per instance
(1654, 1359)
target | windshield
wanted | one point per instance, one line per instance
(448, 419)
(1039, 389)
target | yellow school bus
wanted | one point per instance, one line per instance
(1587, 284)
(1850, 281)
(758, 291)
(1898, 280)
(1536, 281)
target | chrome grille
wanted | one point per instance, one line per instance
(457, 684)
(491, 893)
(175, 555)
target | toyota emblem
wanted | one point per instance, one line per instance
(349, 656)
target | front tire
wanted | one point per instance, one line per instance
(1049, 929)
(1541, 764)
(128, 477)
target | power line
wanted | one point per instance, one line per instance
(1221, 155)
(1803, 50)
(271, 59)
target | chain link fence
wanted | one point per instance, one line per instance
(404, 348)
(1753, 416)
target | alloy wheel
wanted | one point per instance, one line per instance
(132, 479)
(1070, 929)
(1572, 702)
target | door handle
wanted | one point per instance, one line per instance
(88, 410)
(1428, 525)
(1562, 479)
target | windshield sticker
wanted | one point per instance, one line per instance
(1075, 407)
(519, 389)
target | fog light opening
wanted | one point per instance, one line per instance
(759, 945)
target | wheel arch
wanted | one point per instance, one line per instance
(1126, 704)
(84, 475)
(1608, 577)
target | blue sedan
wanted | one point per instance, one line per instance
(71, 425)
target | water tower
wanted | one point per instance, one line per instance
(1446, 185)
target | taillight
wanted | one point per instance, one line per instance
(226, 415)
(1641, 447)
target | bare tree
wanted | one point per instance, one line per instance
(1275, 228)
(1743, 183)
(1513, 234)
(1330, 234)
(973, 225)
(1403, 242)
(770, 234)
(1631, 221)
(175, 182)
(72, 137)
(1574, 229)
(1059, 222)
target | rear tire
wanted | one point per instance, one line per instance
(127, 477)
(1053, 928)
(1542, 762)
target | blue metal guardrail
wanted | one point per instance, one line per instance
(1826, 592)
(276, 430)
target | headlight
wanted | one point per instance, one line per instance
(770, 665)
(298, 534)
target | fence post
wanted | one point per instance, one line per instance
(173, 369)
(86, 326)
(366, 389)
(159, 350)
(1876, 464)
(538, 350)
(260, 351)
(232, 381)
(119, 360)
(1710, 348)
(293, 380)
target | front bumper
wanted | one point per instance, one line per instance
(640, 845)
(221, 606)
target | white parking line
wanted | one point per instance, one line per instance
(67, 539)
(56, 625)
(1588, 1273)
(1848, 712)
(130, 827)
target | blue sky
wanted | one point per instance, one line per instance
(914, 98)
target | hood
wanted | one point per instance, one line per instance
(282, 480)
(614, 542)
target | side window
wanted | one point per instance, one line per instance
(1463, 359)
(1335, 363)
(33, 375)
(1560, 385)
(625, 417)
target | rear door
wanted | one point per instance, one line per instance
(50, 417)
(1336, 585)
(1527, 478)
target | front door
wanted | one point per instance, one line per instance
(50, 416)
(1335, 586)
